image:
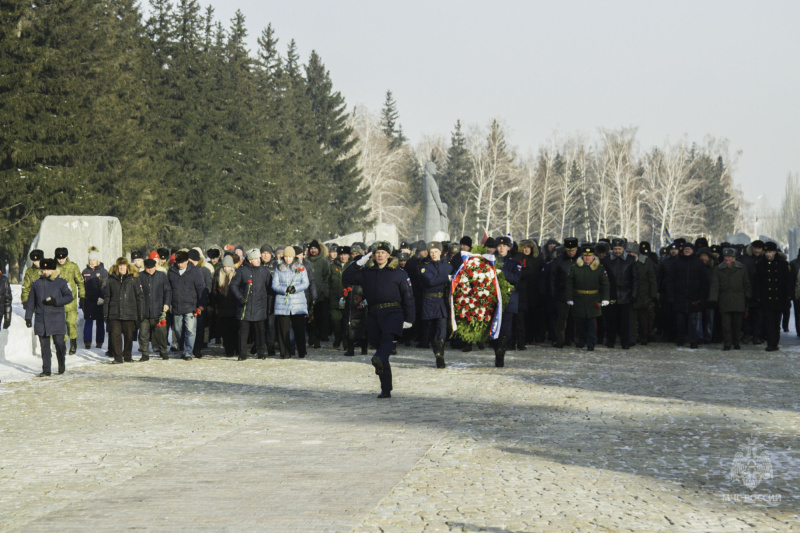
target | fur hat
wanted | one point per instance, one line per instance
(343, 250)
(632, 247)
(149, 263)
(36, 255)
(704, 250)
(729, 252)
(504, 240)
(253, 253)
(48, 264)
(121, 261)
(181, 257)
(570, 243)
(61, 253)
(163, 254)
(601, 248)
(213, 253)
(194, 255)
(771, 247)
(387, 247)
(136, 254)
(356, 249)
(490, 243)
(617, 241)
(758, 243)
(289, 251)
(404, 256)
(432, 245)
(466, 240)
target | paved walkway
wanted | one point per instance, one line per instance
(559, 440)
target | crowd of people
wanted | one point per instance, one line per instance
(282, 301)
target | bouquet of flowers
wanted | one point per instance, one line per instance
(476, 300)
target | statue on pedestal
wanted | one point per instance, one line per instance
(436, 219)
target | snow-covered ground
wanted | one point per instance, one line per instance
(20, 354)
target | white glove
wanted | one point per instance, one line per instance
(407, 325)
(570, 302)
(604, 303)
(100, 301)
(363, 261)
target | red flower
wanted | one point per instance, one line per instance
(250, 281)
(301, 269)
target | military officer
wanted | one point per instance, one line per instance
(434, 276)
(587, 291)
(72, 274)
(772, 289)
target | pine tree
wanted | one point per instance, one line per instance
(454, 181)
(391, 129)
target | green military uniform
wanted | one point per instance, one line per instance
(587, 286)
(70, 272)
(31, 275)
(335, 294)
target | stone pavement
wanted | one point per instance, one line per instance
(559, 440)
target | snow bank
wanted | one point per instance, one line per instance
(20, 354)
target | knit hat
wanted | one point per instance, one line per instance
(267, 248)
(315, 244)
(253, 253)
(289, 252)
(94, 253)
(153, 255)
(297, 250)
(227, 261)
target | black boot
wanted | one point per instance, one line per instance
(144, 357)
(438, 351)
(351, 348)
(73, 346)
(500, 351)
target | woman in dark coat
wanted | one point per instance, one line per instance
(123, 308)
(225, 302)
(529, 322)
(94, 277)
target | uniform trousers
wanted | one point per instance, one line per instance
(586, 331)
(772, 327)
(565, 326)
(436, 328)
(380, 335)
(47, 354)
(641, 326)
(731, 328)
(618, 322)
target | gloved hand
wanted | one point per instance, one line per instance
(81, 302)
(363, 261)
(49, 301)
(290, 289)
(242, 300)
(570, 302)
(28, 323)
(100, 301)
(604, 303)
(407, 325)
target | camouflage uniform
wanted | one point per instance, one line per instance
(70, 272)
(31, 275)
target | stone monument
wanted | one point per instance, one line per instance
(436, 220)
(77, 233)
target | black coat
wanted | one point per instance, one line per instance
(188, 291)
(512, 271)
(123, 297)
(623, 276)
(5, 300)
(772, 284)
(559, 270)
(93, 281)
(259, 282)
(50, 319)
(688, 284)
(225, 302)
(528, 286)
(157, 293)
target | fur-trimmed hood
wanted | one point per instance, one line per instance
(391, 265)
(53, 275)
(295, 265)
(132, 270)
(530, 244)
(594, 266)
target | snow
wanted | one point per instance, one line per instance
(20, 354)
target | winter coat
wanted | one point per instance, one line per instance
(188, 291)
(648, 281)
(355, 312)
(157, 293)
(124, 299)
(664, 272)
(730, 287)
(587, 286)
(31, 274)
(5, 300)
(93, 281)
(772, 284)
(250, 286)
(225, 302)
(435, 288)
(335, 285)
(512, 271)
(72, 274)
(384, 287)
(291, 275)
(320, 268)
(50, 319)
(559, 270)
(623, 276)
(528, 286)
(688, 284)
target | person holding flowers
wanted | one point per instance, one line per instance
(291, 306)
(433, 274)
(250, 285)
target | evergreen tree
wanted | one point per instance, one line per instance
(454, 181)
(391, 129)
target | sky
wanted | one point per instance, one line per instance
(673, 69)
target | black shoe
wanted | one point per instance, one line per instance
(301, 356)
(144, 358)
(87, 345)
(737, 347)
(44, 375)
(384, 395)
(643, 343)
(378, 364)
(350, 353)
(108, 353)
(73, 346)
(500, 351)
(99, 345)
(756, 340)
(521, 348)
(336, 344)
(590, 349)
(481, 346)
(772, 348)
(610, 346)
(558, 345)
(61, 369)
(726, 348)
(580, 345)
(164, 356)
(693, 346)
(317, 345)
(625, 347)
(394, 350)
(242, 358)
(187, 357)
(438, 352)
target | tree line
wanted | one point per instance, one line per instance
(169, 124)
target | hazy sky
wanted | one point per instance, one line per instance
(729, 69)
